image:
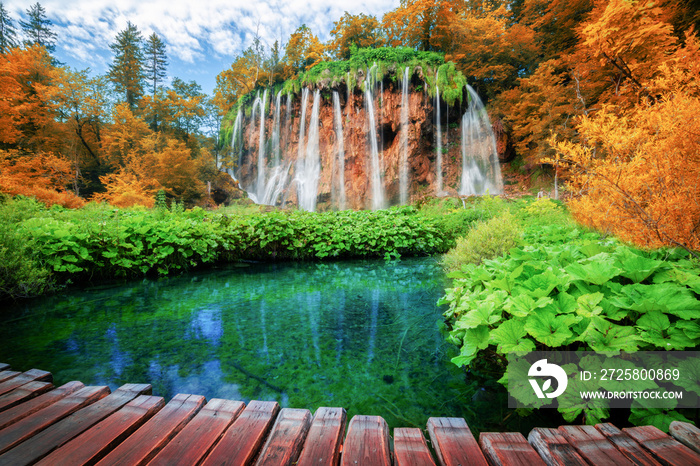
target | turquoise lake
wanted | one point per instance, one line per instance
(363, 335)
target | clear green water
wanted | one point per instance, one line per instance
(361, 335)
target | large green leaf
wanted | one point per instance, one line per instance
(604, 336)
(634, 266)
(550, 329)
(588, 304)
(485, 314)
(474, 340)
(665, 297)
(523, 305)
(510, 337)
(597, 269)
(541, 285)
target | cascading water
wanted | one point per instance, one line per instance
(376, 179)
(260, 186)
(341, 150)
(403, 162)
(481, 171)
(236, 136)
(308, 168)
(438, 144)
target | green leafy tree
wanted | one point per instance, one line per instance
(156, 61)
(156, 65)
(127, 70)
(8, 34)
(38, 28)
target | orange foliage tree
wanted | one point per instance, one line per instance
(636, 173)
(361, 30)
(41, 175)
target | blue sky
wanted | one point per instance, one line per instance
(202, 37)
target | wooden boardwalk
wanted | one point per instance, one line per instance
(74, 425)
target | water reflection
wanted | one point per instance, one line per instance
(361, 335)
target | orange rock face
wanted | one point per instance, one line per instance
(421, 143)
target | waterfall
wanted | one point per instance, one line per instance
(276, 129)
(308, 168)
(481, 171)
(341, 150)
(376, 181)
(236, 135)
(260, 186)
(403, 162)
(438, 144)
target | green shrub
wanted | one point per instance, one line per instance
(487, 240)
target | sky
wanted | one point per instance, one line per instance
(203, 37)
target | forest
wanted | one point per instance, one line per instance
(118, 176)
(602, 94)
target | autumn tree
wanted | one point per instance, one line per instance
(361, 30)
(304, 50)
(25, 114)
(8, 33)
(38, 29)
(412, 24)
(127, 69)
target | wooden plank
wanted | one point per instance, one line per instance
(24, 378)
(94, 443)
(508, 448)
(367, 442)
(325, 438)
(17, 413)
(62, 431)
(410, 448)
(623, 442)
(286, 438)
(148, 440)
(686, 433)
(242, 441)
(664, 447)
(35, 423)
(23, 393)
(7, 375)
(200, 435)
(4, 366)
(554, 448)
(453, 442)
(593, 446)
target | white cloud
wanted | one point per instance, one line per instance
(192, 30)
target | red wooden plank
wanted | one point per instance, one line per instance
(241, 442)
(664, 447)
(453, 442)
(31, 425)
(24, 378)
(12, 415)
(410, 448)
(7, 375)
(199, 436)
(508, 449)
(62, 431)
(367, 442)
(686, 433)
(325, 438)
(286, 438)
(554, 448)
(623, 442)
(148, 440)
(23, 393)
(90, 446)
(593, 446)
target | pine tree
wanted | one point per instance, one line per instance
(127, 70)
(156, 61)
(8, 34)
(38, 29)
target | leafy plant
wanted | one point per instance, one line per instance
(571, 290)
